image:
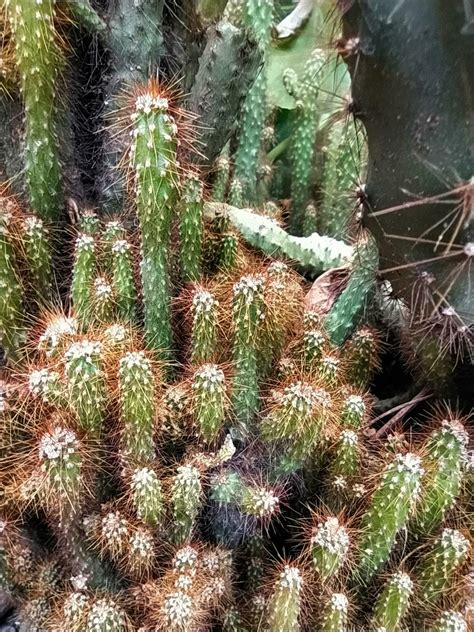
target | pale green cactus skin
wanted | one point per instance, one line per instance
(283, 608)
(147, 496)
(153, 158)
(449, 621)
(353, 412)
(209, 401)
(112, 232)
(48, 386)
(86, 15)
(436, 571)
(11, 305)
(123, 280)
(314, 341)
(335, 614)
(361, 355)
(38, 256)
(329, 544)
(228, 252)
(185, 502)
(221, 179)
(191, 229)
(86, 384)
(226, 488)
(137, 407)
(204, 328)
(346, 457)
(388, 512)
(82, 275)
(38, 59)
(106, 616)
(258, 501)
(236, 192)
(89, 223)
(393, 602)
(102, 302)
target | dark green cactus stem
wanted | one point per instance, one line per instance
(38, 58)
(393, 602)
(11, 305)
(449, 621)
(38, 256)
(153, 157)
(204, 328)
(248, 314)
(113, 231)
(137, 407)
(388, 512)
(186, 493)
(147, 496)
(86, 16)
(209, 401)
(335, 614)
(329, 548)
(191, 229)
(228, 252)
(342, 171)
(445, 455)
(346, 456)
(361, 355)
(283, 608)
(123, 280)
(82, 277)
(349, 307)
(437, 570)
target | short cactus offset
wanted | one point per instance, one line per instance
(123, 280)
(83, 275)
(393, 602)
(186, 492)
(147, 496)
(209, 400)
(284, 604)
(204, 327)
(335, 614)
(329, 545)
(362, 356)
(37, 252)
(221, 179)
(102, 301)
(106, 616)
(11, 326)
(389, 510)
(191, 229)
(449, 621)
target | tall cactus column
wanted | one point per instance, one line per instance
(153, 158)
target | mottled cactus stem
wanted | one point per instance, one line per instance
(153, 158)
(283, 609)
(106, 616)
(204, 328)
(38, 256)
(191, 229)
(38, 58)
(392, 603)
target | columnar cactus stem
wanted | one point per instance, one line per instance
(209, 400)
(11, 328)
(449, 621)
(89, 223)
(329, 548)
(283, 608)
(388, 512)
(137, 407)
(362, 356)
(236, 194)
(248, 315)
(346, 456)
(314, 342)
(335, 614)
(191, 229)
(437, 569)
(353, 412)
(38, 256)
(147, 496)
(392, 603)
(153, 159)
(186, 492)
(221, 179)
(102, 303)
(106, 616)
(123, 280)
(86, 387)
(258, 501)
(46, 384)
(38, 57)
(204, 329)
(82, 276)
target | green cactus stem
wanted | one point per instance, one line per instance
(204, 329)
(258, 501)
(147, 496)
(236, 192)
(86, 16)
(102, 302)
(60, 331)
(221, 179)
(353, 412)
(346, 456)
(284, 604)
(329, 544)
(361, 354)
(445, 455)
(186, 492)
(335, 614)
(82, 276)
(228, 252)
(248, 315)
(123, 280)
(85, 383)
(226, 488)
(314, 341)
(393, 602)
(315, 253)
(47, 385)
(191, 229)
(137, 407)
(38, 58)
(38, 256)
(449, 621)
(209, 401)
(89, 223)
(106, 616)
(11, 305)
(349, 307)
(113, 231)
(153, 158)
(388, 512)
(437, 569)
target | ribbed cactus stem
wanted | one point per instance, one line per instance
(11, 308)
(89, 223)
(191, 229)
(353, 412)
(329, 548)
(335, 614)
(209, 400)
(221, 179)
(314, 341)
(38, 256)
(329, 369)
(393, 602)
(186, 493)
(47, 385)
(153, 158)
(147, 496)
(236, 192)
(445, 454)
(449, 621)
(83, 273)
(85, 384)
(137, 407)
(248, 315)
(436, 571)
(228, 251)
(284, 605)
(259, 501)
(106, 616)
(102, 302)
(388, 512)
(346, 455)
(204, 328)
(361, 356)
(38, 58)
(113, 231)
(59, 331)
(123, 280)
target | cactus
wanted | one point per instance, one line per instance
(83, 273)
(123, 280)
(106, 616)
(186, 492)
(393, 602)
(329, 543)
(102, 301)
(362, 354)
(209, 400)
(38, 256)
(219, 188)
(38, 59)
(284, 604)
(191, 229)
(147, 496)
(449, 621)
(334, 618)
(204, 329)
(11, 326)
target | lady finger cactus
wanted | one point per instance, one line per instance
(393, 602)
(47, 385)
(329, 546)
(11, 327)
(82, 275)
(449, 621)
(147, 496)
(204, 328)
(38, 256)
(389, 511)
(102, 303)
(191, 229)
(362, 356)
(353, 411)
(284, 604)
(335, 614)
(346, 455)
(221, 179)
(209, 400)
(123, 280)
(186, 490)
(106, 616)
